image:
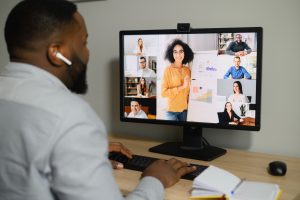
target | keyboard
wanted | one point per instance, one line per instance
(139, 163)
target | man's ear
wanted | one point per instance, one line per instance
(51, 54)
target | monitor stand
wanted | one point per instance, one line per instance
(194, 146)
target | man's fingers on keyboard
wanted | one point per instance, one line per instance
(173, 161)
(119, 147)
(177, 164)
(127, 153)
(185, 170)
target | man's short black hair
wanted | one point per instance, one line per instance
(35, 20)
(143, 58)
(188, 53)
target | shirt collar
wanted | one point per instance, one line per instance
(25, 70)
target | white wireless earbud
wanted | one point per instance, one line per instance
(64, 59)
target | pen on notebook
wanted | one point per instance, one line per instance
(238, 185)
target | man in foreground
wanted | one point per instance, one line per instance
(53, 145)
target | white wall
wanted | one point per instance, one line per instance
(280, 132)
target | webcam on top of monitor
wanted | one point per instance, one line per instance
(183, 27)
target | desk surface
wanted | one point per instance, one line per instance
(243, 164)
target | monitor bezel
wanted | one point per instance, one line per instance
(257, 30)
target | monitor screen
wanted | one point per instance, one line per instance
(200, 78)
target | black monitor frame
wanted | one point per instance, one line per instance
(194, 145)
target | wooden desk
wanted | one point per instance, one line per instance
(243, 164)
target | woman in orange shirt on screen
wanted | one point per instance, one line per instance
(176, 80)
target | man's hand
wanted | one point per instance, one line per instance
(241, 53)
(118, 147)
(168, 171)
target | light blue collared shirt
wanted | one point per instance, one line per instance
(237, 73)
(52, 144)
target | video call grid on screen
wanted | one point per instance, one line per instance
(210, 87)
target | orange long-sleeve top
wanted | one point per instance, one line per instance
(177, 100)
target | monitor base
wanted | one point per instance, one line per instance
(206, 153)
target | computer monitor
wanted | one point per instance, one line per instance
(196, 78)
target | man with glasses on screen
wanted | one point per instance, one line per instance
(145, 71)
(238, 47)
